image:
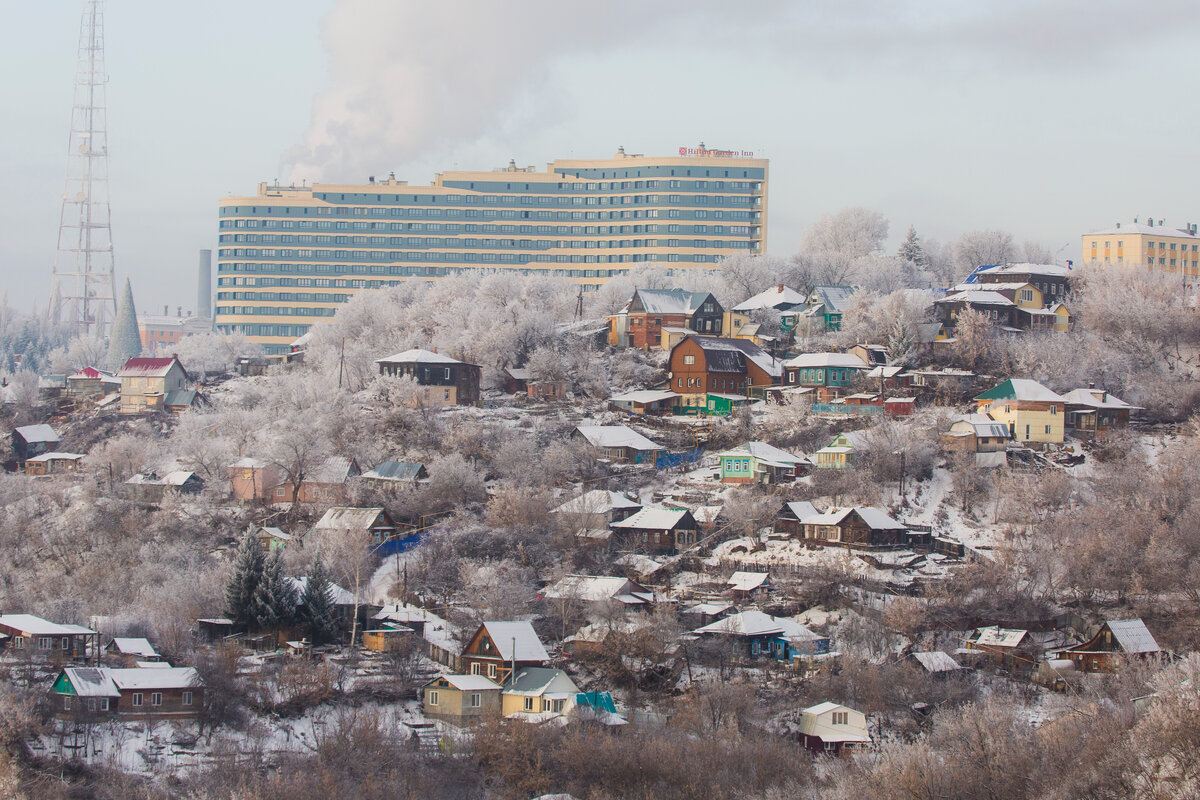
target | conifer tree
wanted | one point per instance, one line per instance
(124, 342)
(275, 598)
(318, 611)
(241, 591)
(910, 248)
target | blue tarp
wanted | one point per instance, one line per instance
(601, 701)
(668, 460)
(399, 544)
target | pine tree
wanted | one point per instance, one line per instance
(275, 598)
(910, 248)
(241, 591)
(318, 607)
(124, 342)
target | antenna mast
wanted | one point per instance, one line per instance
(83, 294)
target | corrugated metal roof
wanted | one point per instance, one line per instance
(417, 356)
(653, 519)
(616, 436)
(506, 635)
(1022, 389)
(37, 433)
(148, 367)
(395, 471)
(348, 518)
(668, 301)
(1133, 636)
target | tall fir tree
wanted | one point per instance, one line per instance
(124, 341)
(275, 598)
(318, 606)
(910, 248)
(242, 590)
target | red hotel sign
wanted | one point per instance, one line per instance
(700, 151)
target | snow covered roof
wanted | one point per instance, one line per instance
(347, 518)
(746, 581)
(744, 623)
(643, 396)
(36, 626)
(1021, 389)
(728, 355)
(995, 636)
(1095, 398)
(668, 301)
(709, 609)
(616, 436)
(158, 678)
(885, 372)
(763, 452)
(468, 683)
(37, 433)
(1132, 635)
(133, 646)
(802, 509)
(91, 682)
(417, 356)
(175, 478)
(834, 298)
(596, 501)
(340, 596)
(654, 519)
(977, 297)
(1141, 227)
(56, 456)
(395, 471)
(506, 635)
(148, 367)
(334, 469)
(594, 588)
(836, 360)
(875, 518)
(1043, 270)
(983, 425)
(937, 661)
(776, 296)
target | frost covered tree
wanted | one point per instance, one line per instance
(976, 248)
(910, 249)
(852, 232)
(80, 352)
(275, 596)
(124, 341)
(242, 589)
(317, 606)
(214, 353)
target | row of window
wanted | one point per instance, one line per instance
(540, 216)
(1195, 248)
(136, 700)
(737, 465)
(277, 311)
(456, 243)
(715, 384)
(453, 227)
(488, 260)
(540, 188)
(296, 297)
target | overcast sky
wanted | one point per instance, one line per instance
(1042, 118)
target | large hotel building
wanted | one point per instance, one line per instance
(1147, 245)
(290, 255)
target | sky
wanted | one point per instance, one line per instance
(1046, 119)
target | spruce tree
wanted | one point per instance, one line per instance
(275, 599)
(124, 341)
(318, 613)
(241, 591)
(910, 248)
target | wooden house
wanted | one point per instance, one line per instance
(497, 648)
(857, 528)
(1114, 640)
(54, 463)
(829, 374)
(1011, 648)
(759, 462)
(396, 473)
(644, 401)
(747, 586)
(36, 638)
(440, 637)
(706, 613)
(271, 538)
(534, 693)
(326, 482)
(657, 530)
(700, 365)
(137, 693)
(33, 440)
(129, 652)
(92, 382)
(760, 635)
(461, 698)
(1053, 281)
(598, 590)
(980, 435)
(833, 730)
(443, 381)
(789, 518)
(641, 322)
(779, 300)
(596, 510)
(373, 525)
(152, 487)
(618, 444)
(145, 383)
(839, 453)
(1094, 412)
(253, 479)
(1034, 414)
(824, 310)
(387, 639)
(723, 404)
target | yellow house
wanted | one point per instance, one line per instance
(538, 691)
(1033, 413)
(1147, 245)
(146, 382)
(461, 698)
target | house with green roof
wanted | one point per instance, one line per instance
(1034, 414)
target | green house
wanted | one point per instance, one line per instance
(762, 463)
(722, 405)
(839, 453)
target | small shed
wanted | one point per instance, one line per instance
(33, 440)
(832, 729)
(461, 698)
(1115, 639)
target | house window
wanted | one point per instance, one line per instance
(689, 359)
(104, 704)
(45, 643)
(491, 670)
(476, 700)
(91, 704)
(1047, 429)
(433, 698)
(1053, 410)
(840, 717)
(475, 669)
(66, 643)
(156, 698)
(186, 699)
(136, 699)
(546, 704)
(529, 704)
(66, 704)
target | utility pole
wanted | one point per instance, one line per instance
(83, 291)
(341, 361)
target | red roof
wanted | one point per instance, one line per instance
(148, 367)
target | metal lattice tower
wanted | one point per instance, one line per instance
(83, 295)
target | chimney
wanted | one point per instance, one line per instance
(179, 311)
(166, 310)
(204, 285)
(779, 288)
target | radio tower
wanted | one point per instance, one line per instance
(83, 295)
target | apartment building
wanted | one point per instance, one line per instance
(1148, 244)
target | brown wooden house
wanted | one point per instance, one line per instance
(326, 482)
(657, 530)
(699, 365)
(640, 324)
(137, 693)
(857, 528)
(1115, 639)
(37, 638)
(497, 648)
(1094, 412)
(444, 381)
(252, 479)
